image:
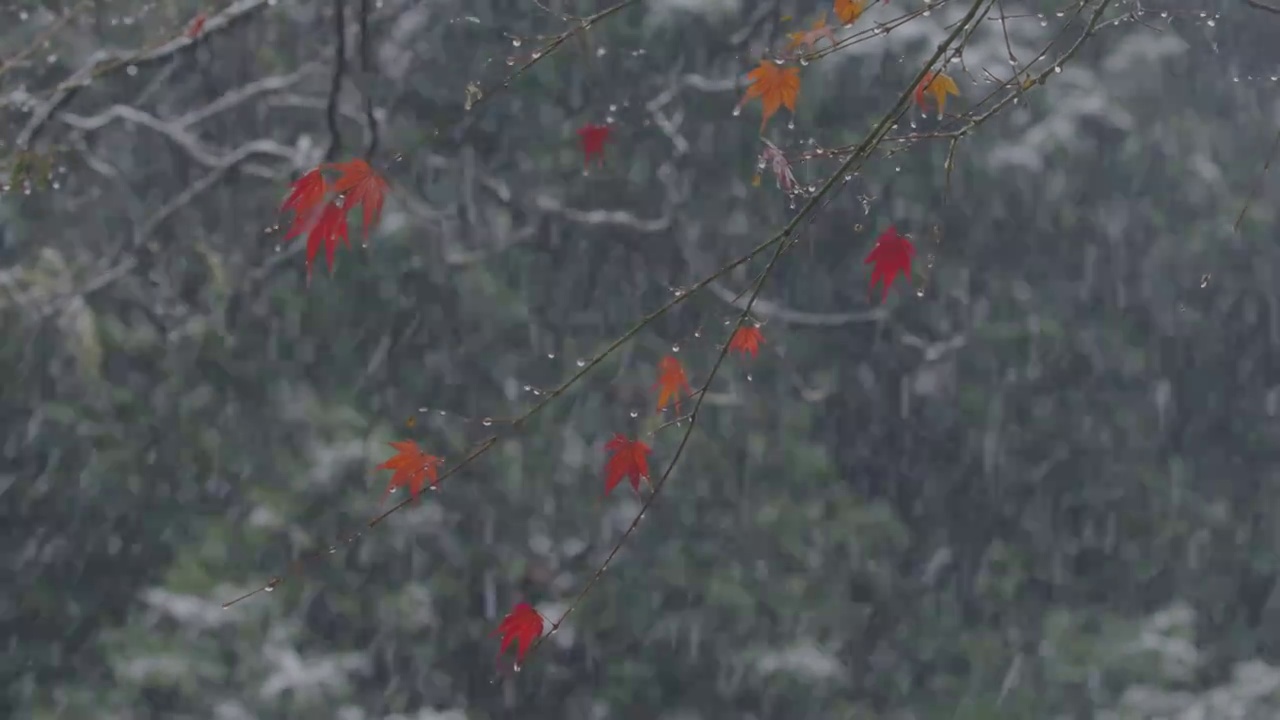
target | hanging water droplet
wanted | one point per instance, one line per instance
(749, 378)
(791, 124)
(737, 110)
(1204, 281)
(1044, 23)
(486, 422)
(392, 489)
(516, 667)
(581, 362)
(675, 347)
(131, 70)
(423, 409)
(1057, 69)
(332, 549)
(920, 292)
(511, 60)
(1211, 23)
(551, 356)
(804, 61)
(635, 413)
(516, 42)
(697, 333)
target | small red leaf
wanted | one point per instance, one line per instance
(197, 24)
(522, 625)
(671, 380)
(628, 459)
(412, 467)
(746, 340)
(889, 258)
(593, 138)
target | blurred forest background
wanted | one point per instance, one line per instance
(1043, 486)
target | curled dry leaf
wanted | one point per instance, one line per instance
(777, 162)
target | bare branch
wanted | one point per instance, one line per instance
(176, 132)
(1257, 5)
(335, 85)
(104, 62)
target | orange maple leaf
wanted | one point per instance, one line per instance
(848, 11)
(305, 197)
(360, 185)
(809, 38)
(522, 625)
(628, 459)
(412, 467)
(746, 340)
(937, 85)
(776, 87)
(671, 379)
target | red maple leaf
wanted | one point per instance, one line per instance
(326, 227)
(197, 24)
(746, 340)
(306, 196)
(629, 459)
(522, 625)
(671, 379)
(412, 466)
(889, 258)
(360, 185)
(593, 138)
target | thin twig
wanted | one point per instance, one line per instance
(366, 90)
(335, 85)
(1257, 184)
